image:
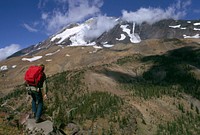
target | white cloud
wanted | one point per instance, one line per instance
(98, 27)
(29, 28)
(8, 50)
(44, 16)
(72, 11)
(186, 3)
(42, 3)
(152, 15)
(75, 11)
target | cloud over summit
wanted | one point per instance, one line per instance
(98, 27)
(152, 15)
(8, 50)
(73, 11)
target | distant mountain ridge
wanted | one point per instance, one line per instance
(121, 32)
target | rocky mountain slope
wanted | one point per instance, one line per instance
(92, 33)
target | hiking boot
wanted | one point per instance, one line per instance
(39, 120)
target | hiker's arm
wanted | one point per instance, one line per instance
(45, 89)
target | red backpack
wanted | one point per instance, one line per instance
(33, 75)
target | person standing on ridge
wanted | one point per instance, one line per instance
(37, 87)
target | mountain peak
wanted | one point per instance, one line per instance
(105, 31)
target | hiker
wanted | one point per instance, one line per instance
(37, 88)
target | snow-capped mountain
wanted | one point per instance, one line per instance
(125, 32)
(111, 31)
(59, 54)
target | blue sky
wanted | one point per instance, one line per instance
(27, 22)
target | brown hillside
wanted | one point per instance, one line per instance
(119, 90)
(77, 57)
